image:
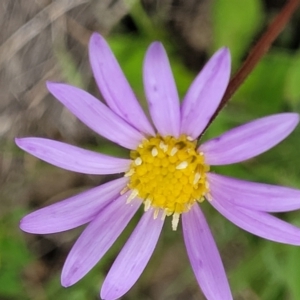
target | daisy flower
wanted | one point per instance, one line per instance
(167, 172)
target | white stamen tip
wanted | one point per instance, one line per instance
(208, 196)
(155, 214)
(175, 220)
(147, 204)
(182, 165)
(163, 146)
(174, 151)
(154, 152)
(138, 161)
(189, 138)
(163, 216)
(196, 178)
(129, 173)
(133, 194)
(201, 199)
(124, 190)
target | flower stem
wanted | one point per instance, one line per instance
(257, 52)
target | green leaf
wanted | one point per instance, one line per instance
(235, 23)
(263, 91)
(13, 257)
(292, 82)
(292, 271)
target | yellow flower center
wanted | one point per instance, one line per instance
(168, 174)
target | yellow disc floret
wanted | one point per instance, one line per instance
(168, 174)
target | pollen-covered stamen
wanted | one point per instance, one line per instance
(197, 176)
(125, 189)
(208, 196)
(175, 220)
(174, 151)
(169, 175)
(129, 173)
(164, 214)
(138, 161)
(133, 194)
(163, 146)
(182, 165)
(154, 152)
(147, 204)
(156, 212)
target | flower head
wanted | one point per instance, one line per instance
(167, 172)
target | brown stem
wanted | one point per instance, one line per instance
(258, 52)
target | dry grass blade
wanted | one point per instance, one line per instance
(32, 28)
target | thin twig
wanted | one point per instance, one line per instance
(257, 52)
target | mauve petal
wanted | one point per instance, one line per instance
(74, 211)
(252, 195)
(73, 158)
(161, 91)
(97, 238)
(96, 115)
(204, 256)
(114, 87)
(205, 94)
(133, 258)
(249, 140)
(257, 222)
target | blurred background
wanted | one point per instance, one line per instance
(47, 40)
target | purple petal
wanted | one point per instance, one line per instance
(96, 115)
(97, 238)
(133, 258)
(257, 222)
(204, 256)
(161, 91)
(74, 211)
(251, 195)
(249, 140)
(114, 87)
(73, 158)
(205, 94)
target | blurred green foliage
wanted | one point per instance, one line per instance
(262, 268)
(235, 24)
(14, 257)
